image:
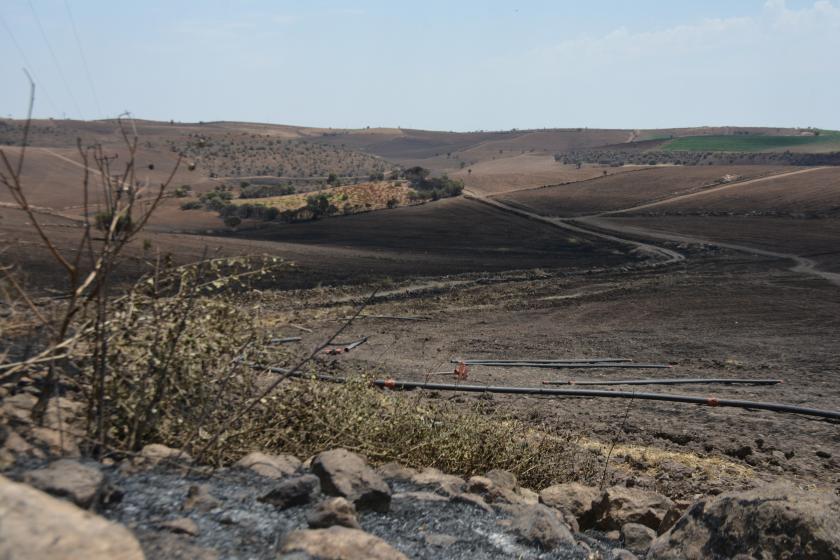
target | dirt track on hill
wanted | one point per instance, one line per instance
(596, 224)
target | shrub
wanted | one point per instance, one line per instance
(233, 221)
(191, 205)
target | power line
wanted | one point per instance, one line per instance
(55, 59)
(29, 66)
(84, 58)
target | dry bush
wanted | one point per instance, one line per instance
(309, 416)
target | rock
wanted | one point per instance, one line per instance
(182, 525)
(622, 554)
(575, 498)
(63, 413)
(636, 537)
(338, 543)
(346, 474)
(446, 484)
(333, 511)
(775, 521)
(671, 516)
(395, 471)
(613, 535)
(270, 466)
(822, 454)
(199, 499)
(471, 499)
(155, 453)
(503, 479)
(439, 539)
(18, 407)
(492, 493)
(620, 505)
(65, 478)
(297, 491)
(541, 526)
(528, 496)
(53, 442)
(17, 446)
(36, 525)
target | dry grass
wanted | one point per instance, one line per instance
(348, 199)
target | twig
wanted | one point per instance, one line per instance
(615, 439)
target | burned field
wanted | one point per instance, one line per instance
(506, 277)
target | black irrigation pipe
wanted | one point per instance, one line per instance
(699, 381)
(591, 393)
(567, 365)
(538, 361)
(597, 393)
(284, 340)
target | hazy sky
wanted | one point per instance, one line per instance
(445, 65)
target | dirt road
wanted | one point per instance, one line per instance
(596, 224)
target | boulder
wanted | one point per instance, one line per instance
(541, 526)
(291, 492)
(620, 505)
(623, 554)
(346, 474)
(442, 483)
(333, 511)
(270, 466)
(338, 543)
(636, 537)
(36, 525)
(776, 521)
(577, 499)
(65, 478)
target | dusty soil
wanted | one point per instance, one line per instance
(524, 171)
(627, 190)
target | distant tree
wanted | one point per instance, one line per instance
(233, 221)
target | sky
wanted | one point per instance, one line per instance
(441, 65)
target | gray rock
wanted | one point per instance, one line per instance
(297, 491)
(36, 525)
(541, 526)
(337, 543)
(65, 478)
(623, 554)
(620, 505)
(270, 466)
(346, 474)
(776, 521)
(333, 511)
(442, 483)
(636, 537)
(577, 499)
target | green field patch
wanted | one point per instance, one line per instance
(749, 143)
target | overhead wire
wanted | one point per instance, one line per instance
(28, 65)
(84, 59)
(55, 59)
